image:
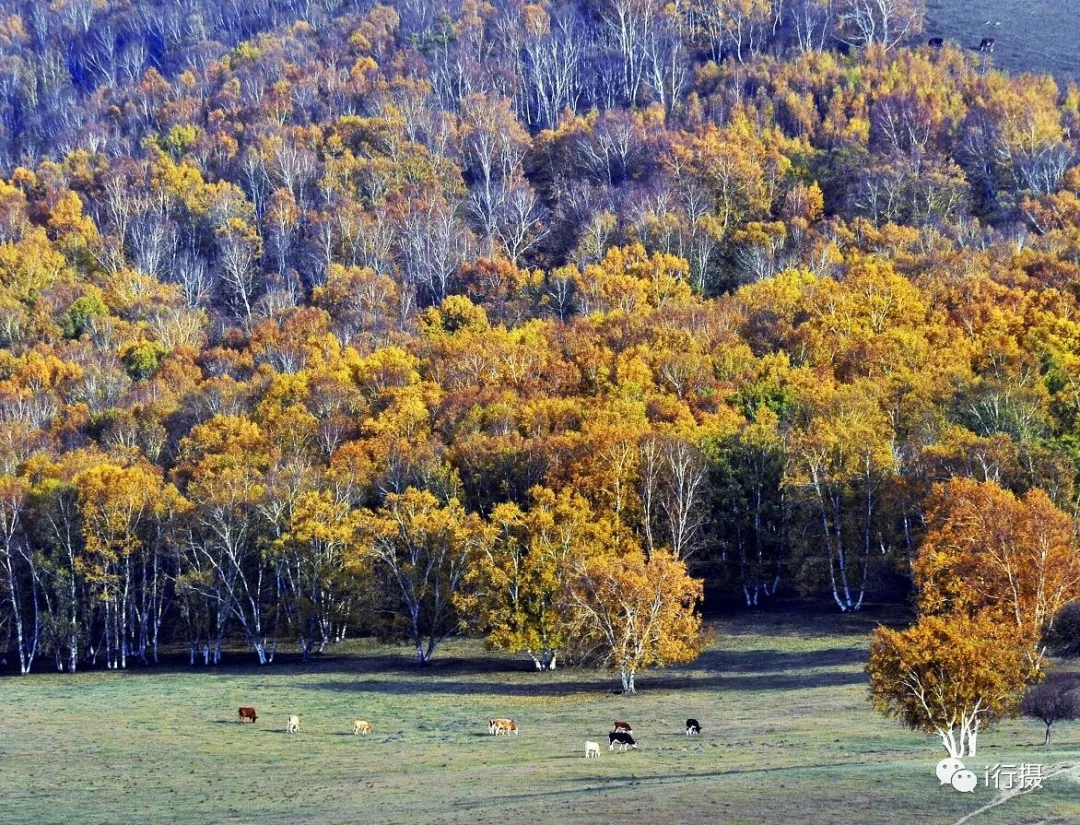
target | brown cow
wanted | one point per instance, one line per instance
(248, 713)
(504, 726)
(623, 726)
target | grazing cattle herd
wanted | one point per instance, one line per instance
(621, 734)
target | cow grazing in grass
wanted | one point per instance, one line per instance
(504, 726)
(592, 750)
(248, 713)
(294, 724)
(361, 727)
(624, 740)
(693, 727)
(987, 44)
(623, 726)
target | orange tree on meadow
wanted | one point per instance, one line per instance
(992, 572)
(989, 552)
(951, 675)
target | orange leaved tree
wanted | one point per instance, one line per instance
(950, 675)
(988, 551)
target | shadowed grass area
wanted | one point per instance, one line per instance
(788, 736)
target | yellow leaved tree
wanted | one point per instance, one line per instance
(421, 549)
(513, 588)
(950, 675)
(628, 612)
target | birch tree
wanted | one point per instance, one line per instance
(949, 675)
(18, 576)
(987, 551)
(839, 463)
(423, 551)
(514, 586)
(224, 462)
(887, 22)
(627, 612)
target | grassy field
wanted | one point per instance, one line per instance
(788, 737)
(1031, 35)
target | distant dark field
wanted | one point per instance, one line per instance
(1031, 35)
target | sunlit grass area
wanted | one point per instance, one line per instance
(788, 736)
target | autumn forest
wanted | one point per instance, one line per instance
(548, 322)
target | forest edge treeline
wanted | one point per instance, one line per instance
(404, 319)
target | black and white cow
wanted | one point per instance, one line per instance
(693, 727)
(623, 739)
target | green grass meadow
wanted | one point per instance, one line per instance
(788, 737)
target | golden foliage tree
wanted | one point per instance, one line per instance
(628, 612)
(318, 551)
(423, 549)
(950, 675)
(989, 552)
(515, 583)
(114, 505)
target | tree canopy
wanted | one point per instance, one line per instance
(404, 318)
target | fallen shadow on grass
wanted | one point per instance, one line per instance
(761, 670)
(772, 661)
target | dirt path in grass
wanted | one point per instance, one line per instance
(1012, 793)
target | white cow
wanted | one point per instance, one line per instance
(592, 750)
(294, 724)
(361, 727)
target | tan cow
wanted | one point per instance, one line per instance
(504, 726)
(361, 727)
